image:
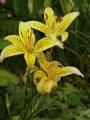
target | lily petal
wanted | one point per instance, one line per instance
(38, 75)
(12, 50)
(49, 86)
(49, 17)
(55, 64)
(45, 64)
(37, 25)
(43, 61)
(45, 85)
(46, 43)
(67, 71)
(26, 34)
(63, 24)
(64, 36)
(30, 60)
(15, 39)
(40, 85)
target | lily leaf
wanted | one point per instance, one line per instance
(7, 77)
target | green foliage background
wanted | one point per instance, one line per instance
(71, 100)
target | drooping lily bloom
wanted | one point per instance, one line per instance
(47, 79)
(25, 44)
(54, 28)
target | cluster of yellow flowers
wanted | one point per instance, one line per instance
(50, 73)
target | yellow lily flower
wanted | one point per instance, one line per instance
(53, 27)
(25, 44)
(47, 80)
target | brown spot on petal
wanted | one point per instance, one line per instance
(46, 16)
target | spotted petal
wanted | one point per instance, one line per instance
(49, 17)
(67, 71)
(40, 85)
(13, 39)
(30, 60)
(63, 24)
(12, 50)
(43, 61)
(37, 25)
(26, 35)
(46, 43)
(38, 75)
(45, 64)
(50, 85)
(55, 64)
(46, 85)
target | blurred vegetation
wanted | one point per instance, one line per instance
(71, 100)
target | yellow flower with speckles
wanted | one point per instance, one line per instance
(47, 79)
(25, 44)
(53, 28)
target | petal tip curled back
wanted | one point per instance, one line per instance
(78, 13)
(76, 71)
(64, 71)
(81, 75)
(1, 59)
(75, 13)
